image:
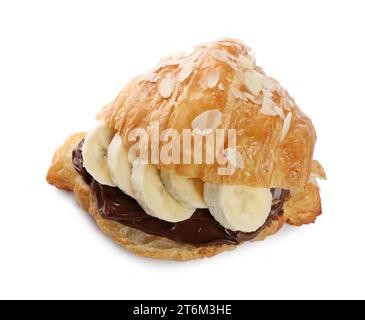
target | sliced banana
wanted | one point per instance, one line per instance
(237, 207)
(153, 197)
(95, 150)
(119, 166)
(189, 192)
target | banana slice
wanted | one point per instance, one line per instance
(119, 166)
(152, 196)
(189, 192)
(237, 207)
(95, 152)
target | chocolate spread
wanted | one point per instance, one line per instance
(200, 229)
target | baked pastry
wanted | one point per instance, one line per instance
(201, 154)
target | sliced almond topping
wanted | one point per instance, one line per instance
(286, 126)
(246, 96)
(223, 56)
(207, 121)
(280, 112)
(246, 61)
(185, 72)
(268, 107)
(221, 86)
(171, 63)
(206, 65)
(238, 94)
(253, 81)
(288, 103)
(229, 42)
(256, 100)
(220, 55)
(267, 93)
(166, 87)
(152, 77)
(270, 84)
(234, 157)
(213, 78)
(163, 64)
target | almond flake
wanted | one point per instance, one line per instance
(223, 56)
(213, 78)
(207, 121)
(246, 62)
(165, 64)
(234, 157)
(238, 94)
(220, 55)
(270, 84)
(286, 126)
(256, 100)
(171, 63)
(288, 103)
(152, 77)
(166, 87)
(253, 81)
(221, 86)
(267, 93)
(280, 112)
(228, 42)
(185, 72)
(246, 96)
(206, 65)
(233, 42)
(268, 107)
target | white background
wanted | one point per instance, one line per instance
(61, 61)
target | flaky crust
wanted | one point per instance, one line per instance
(300, 209)
(269, 162)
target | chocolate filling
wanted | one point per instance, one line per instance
(200, 229)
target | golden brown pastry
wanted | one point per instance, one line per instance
(185, 205)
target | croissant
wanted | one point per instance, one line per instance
(202, 153)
